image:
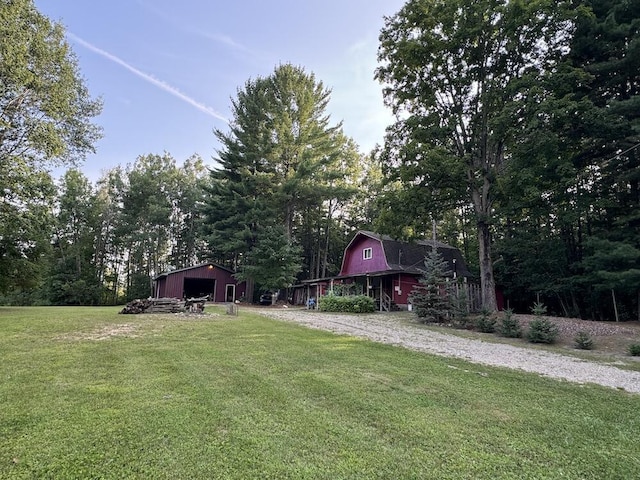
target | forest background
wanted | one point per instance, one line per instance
(517, 136)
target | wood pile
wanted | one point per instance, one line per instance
(154, 305)
(196, 305)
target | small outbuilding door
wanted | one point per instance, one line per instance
(230, 293)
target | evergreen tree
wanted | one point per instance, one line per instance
(576, 186)
(273, 262)
(280, 165)
(432, 299)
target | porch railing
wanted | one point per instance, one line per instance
(385, 303)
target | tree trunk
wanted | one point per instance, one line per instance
(250, 284)
(487, 282)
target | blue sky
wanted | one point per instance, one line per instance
(167, 70)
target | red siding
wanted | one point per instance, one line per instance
(172, 284)
(354, 262)
(402, 286)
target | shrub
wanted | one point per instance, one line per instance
(583, 341)
(486, 323)
(634, 349)
(542, 330)
(510, 326)
(346, 304)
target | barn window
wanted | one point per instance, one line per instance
(367, 253)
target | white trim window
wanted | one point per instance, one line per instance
(367, 253)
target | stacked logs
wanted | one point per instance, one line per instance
(154, 305)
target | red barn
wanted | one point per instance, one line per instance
(385, 269)
(198, 281)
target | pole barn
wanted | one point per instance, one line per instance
(198, 281)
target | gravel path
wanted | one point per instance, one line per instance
(387, 328)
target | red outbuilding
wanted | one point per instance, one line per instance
(207, 279)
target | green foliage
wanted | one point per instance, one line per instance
(542, 330)
(432, 299)
(281, 164)
(188, 246)
(634, 349)
(346, 304)
(459, 308)
(73, 277)
(273, 262)
(26, 230)
(45, 108)
(509, 325)
(45, 119)
(145, 227)
(539, 309)
(570, 201)
(612, 265)
(139, 286)
(486, 322)
(583, 341)
(456, 74)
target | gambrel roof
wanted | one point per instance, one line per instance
(408, 257)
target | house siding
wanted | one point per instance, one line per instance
(402, 285)
(354, 262)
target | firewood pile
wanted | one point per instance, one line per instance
(154, 305)
(196, 304)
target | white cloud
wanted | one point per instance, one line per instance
(150, 78)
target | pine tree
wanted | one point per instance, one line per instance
(281, 165)
(432, 299)
(273, 262)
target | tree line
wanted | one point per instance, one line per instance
(516, 136)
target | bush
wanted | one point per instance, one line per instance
(510, 326)
(583, 341)
(346, 304)
(634, 349)
(542, 330)
(486, 323)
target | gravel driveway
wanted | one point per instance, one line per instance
(389, 328)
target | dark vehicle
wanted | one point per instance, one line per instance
(266, 298)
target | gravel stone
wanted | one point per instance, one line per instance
(390, 329)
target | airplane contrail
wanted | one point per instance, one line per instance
(149, 78)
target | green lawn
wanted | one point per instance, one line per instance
(88, 393)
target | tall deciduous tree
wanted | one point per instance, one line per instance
(45, 117)
(73, 279)
(187, 244)
(110, 241)
(457, 75)
(147, 205)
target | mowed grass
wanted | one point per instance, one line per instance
(88, 393)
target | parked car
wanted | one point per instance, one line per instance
(266, 298)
